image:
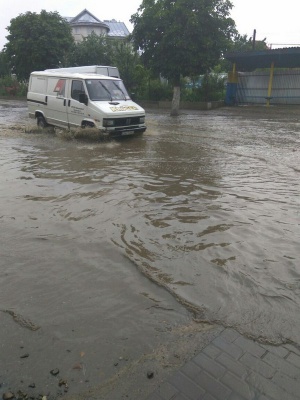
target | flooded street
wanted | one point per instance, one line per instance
(200, 215)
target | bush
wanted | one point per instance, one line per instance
(212, 88)
(157, 90)
(9, 86)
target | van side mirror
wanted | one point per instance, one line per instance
(83, 98)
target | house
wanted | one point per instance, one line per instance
(85, 23)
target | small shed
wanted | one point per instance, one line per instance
(264, 76)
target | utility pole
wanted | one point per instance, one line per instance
(253, 39)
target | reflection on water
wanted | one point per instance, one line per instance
(206, 205)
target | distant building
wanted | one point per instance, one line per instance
(85, 23)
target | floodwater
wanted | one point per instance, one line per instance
(206, 205)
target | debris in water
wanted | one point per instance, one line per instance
(54, 371)
(150, 374)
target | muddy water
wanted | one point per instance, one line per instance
(207, 205)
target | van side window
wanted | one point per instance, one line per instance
(60, 87)
(77, 89)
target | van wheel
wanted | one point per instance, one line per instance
(41, 122)
(87, 125)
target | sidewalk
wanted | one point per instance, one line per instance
(235, 368)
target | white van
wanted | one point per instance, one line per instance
(91, 96)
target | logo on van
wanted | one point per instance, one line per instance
(123, 108)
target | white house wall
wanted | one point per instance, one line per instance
(83, 31)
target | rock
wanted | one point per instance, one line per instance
(21, 395)
(150, 374)
(54, 371)
(63, 382)
(32, 385)
(24, 355)
(77, 366)
(8, 396)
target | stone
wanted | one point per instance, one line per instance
(8, 396)
(54, 371)
(150, 374)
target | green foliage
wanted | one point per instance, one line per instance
(9, 86)
(4, 65)
(183, 37)
(212, 88)
(23, 89)
(157, 90)
(245, 43)
(242, 43)
(129, 64)
(141, 79)
(37, 42)
(101, 50)
(92, 50)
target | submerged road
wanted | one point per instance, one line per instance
(134, 254)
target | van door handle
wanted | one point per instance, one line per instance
(64, 102)
(69, 103)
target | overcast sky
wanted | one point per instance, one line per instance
(278, 22)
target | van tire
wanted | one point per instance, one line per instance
(87, 124)
(41, 122)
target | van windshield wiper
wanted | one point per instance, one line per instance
(105, 88)
(118, 87)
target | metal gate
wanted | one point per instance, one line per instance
(253, 87)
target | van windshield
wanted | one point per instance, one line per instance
(106, 90)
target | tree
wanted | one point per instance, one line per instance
(37, 42)
(129, 63)
(242, 43)
(92, 50)
(4, 65)
(245, 43)
(182, 37)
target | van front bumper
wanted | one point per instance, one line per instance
(128, 131)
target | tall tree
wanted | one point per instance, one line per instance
(182, 37)
(129, 63)
(37, 42)
(4, 64)
(92, 50)
(242, 43)
(245, 43)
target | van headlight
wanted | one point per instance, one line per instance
(142, 120)
(108, 122)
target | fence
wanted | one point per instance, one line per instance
(252, 87)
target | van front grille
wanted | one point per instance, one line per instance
(127, 121)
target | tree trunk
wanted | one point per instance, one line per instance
(175, 100)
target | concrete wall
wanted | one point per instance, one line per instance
(184, 105)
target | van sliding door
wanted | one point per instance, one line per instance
(56, 111)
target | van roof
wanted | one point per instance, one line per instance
(73, 75)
